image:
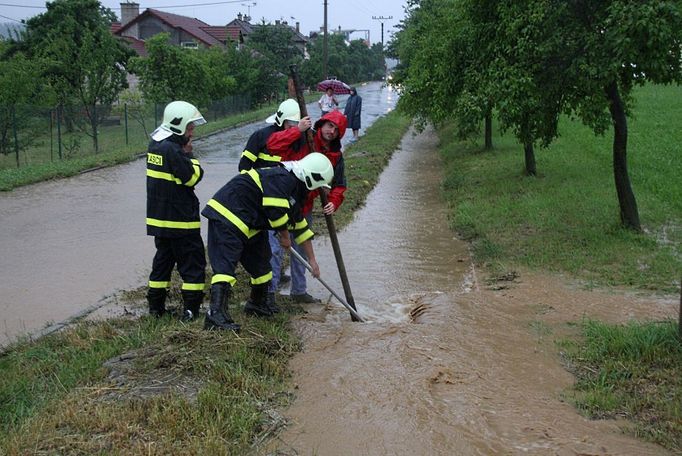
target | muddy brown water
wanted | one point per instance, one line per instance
(445, 365)
(69, 245)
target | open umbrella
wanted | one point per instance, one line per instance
(340, 88)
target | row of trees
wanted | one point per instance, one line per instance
(531, 62)
(68, 57)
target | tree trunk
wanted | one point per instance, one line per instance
(629, 215)
(489, 129)
(530, 159)
(93, 124)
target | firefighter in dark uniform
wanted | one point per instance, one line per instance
(255, 153)
(173, 210)
(239, 217)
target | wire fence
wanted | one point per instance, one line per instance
(31, 135)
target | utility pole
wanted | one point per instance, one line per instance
(382, 19)
(324, 66)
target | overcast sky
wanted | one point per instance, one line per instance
(349, 14)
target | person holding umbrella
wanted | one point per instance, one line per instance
(328, 102)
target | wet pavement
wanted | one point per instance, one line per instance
(70, 244)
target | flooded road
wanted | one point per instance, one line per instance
(445, 365)
(69, 245)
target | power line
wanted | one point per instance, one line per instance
(11, 19)
(21, 6)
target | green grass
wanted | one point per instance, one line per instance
(630, 371)
(56, 396)
(566, 219)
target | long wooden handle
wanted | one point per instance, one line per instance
(295, 85)
(352, 310)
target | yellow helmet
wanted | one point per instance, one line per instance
(315, 170)
(288, 110)
(176, 116)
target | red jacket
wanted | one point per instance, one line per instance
(291, 145)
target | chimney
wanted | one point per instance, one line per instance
(239, 16)
(298, 27)
(129, 11)
(277, 22)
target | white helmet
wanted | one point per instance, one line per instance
(288, 110)
(315, 170)
(176, 116)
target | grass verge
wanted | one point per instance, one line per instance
(566, 219)
(631, 371)
(134, 385)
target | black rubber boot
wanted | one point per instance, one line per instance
(257, 304)
(192, 304)
(260, 293)
(217, 316)
(156, 298)
(271, 304)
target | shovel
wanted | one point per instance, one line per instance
(352, 311)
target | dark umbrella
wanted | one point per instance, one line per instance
(340, 88)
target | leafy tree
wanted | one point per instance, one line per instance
(86, 62)
(352, 62)
(21, 84)
(219, 78)
(171, 73)
(253, 73)
(614, 46)
(443, 69)
(529, 91)
(275, 43)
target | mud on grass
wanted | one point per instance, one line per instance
(131, 385)
(631, 371)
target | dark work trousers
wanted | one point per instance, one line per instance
(188, 254)
(227, 246)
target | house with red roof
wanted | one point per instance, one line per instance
(188, 32)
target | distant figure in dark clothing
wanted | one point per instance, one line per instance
(352, 112)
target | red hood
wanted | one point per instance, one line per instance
(337, 118)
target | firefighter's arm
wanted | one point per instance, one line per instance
(307, 247)
(335, 196)
(186, 169)
(305, 124)
(334, 200)
(284, 239)
(250, 153)
(280, 142)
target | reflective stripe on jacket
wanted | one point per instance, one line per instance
(255, 154)
(261, 199)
